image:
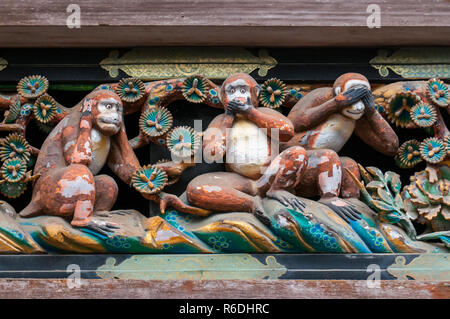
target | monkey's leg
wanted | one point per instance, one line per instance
(283, 174)
(33, 209)
(83, 213)
(83, 218)
(106, 192)
(70, 191)
(325, 171)
(328, 170)
(56, 191)
(349, 189)
(226, 192)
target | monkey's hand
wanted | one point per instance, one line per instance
(342, 208)
(238, 107)
(287, 199)
(368, 100)
(352, 95)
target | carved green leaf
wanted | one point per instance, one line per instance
(419, 202)
(446, 200)
(398, 202)
(385, 196)
(364, 174)
(382, 206)
(393, 179)
(377, 173)
(375, 185)
(434, 235)
(394, 217)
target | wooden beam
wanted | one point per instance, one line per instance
(225, 289)
(106, 23)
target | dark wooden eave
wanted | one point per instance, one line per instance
(284, 23)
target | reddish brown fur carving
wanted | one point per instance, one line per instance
(254, 172)
(324, 120)
(71, 156)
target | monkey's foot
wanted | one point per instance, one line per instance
(342, 208)
(99, 226)
(109, 213)
(260, 213)
(170, 200)
(287, 199)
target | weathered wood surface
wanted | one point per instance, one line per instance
(33, 23)
(225, 289)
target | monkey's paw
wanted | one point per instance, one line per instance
(238, 107)
(352, 95)
(287, 199)
(101, 227)
(342, 208)
(170, 200)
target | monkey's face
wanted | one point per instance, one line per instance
(108, 116)
(242, 90)
(356, 110)
(239, 91)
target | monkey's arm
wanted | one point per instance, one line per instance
(214, 138)
(319, 104)
(122, 160)
(82, 154)
(312, 109)
(174, 169)
(375, 131)
(269, 119)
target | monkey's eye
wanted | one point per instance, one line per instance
(232, 90)
(108, 106)
(242, 91)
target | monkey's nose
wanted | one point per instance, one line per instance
(111, 120)
(359, 106)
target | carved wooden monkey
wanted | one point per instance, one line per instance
(324, 120)
(253, 172)
(71, 157)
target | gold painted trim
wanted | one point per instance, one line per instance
(165, 63)
(3, 63)
(414, 63)
(434, 267)
(192, 267)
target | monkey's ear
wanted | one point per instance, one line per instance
(337, 90)
(221, 97)
(257, 91)
(254, 95)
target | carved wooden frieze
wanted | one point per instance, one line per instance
(284, 186)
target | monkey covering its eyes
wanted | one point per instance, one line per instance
(324, 120)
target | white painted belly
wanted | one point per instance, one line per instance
(100, 150)
(334, 133)
(247, 148)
